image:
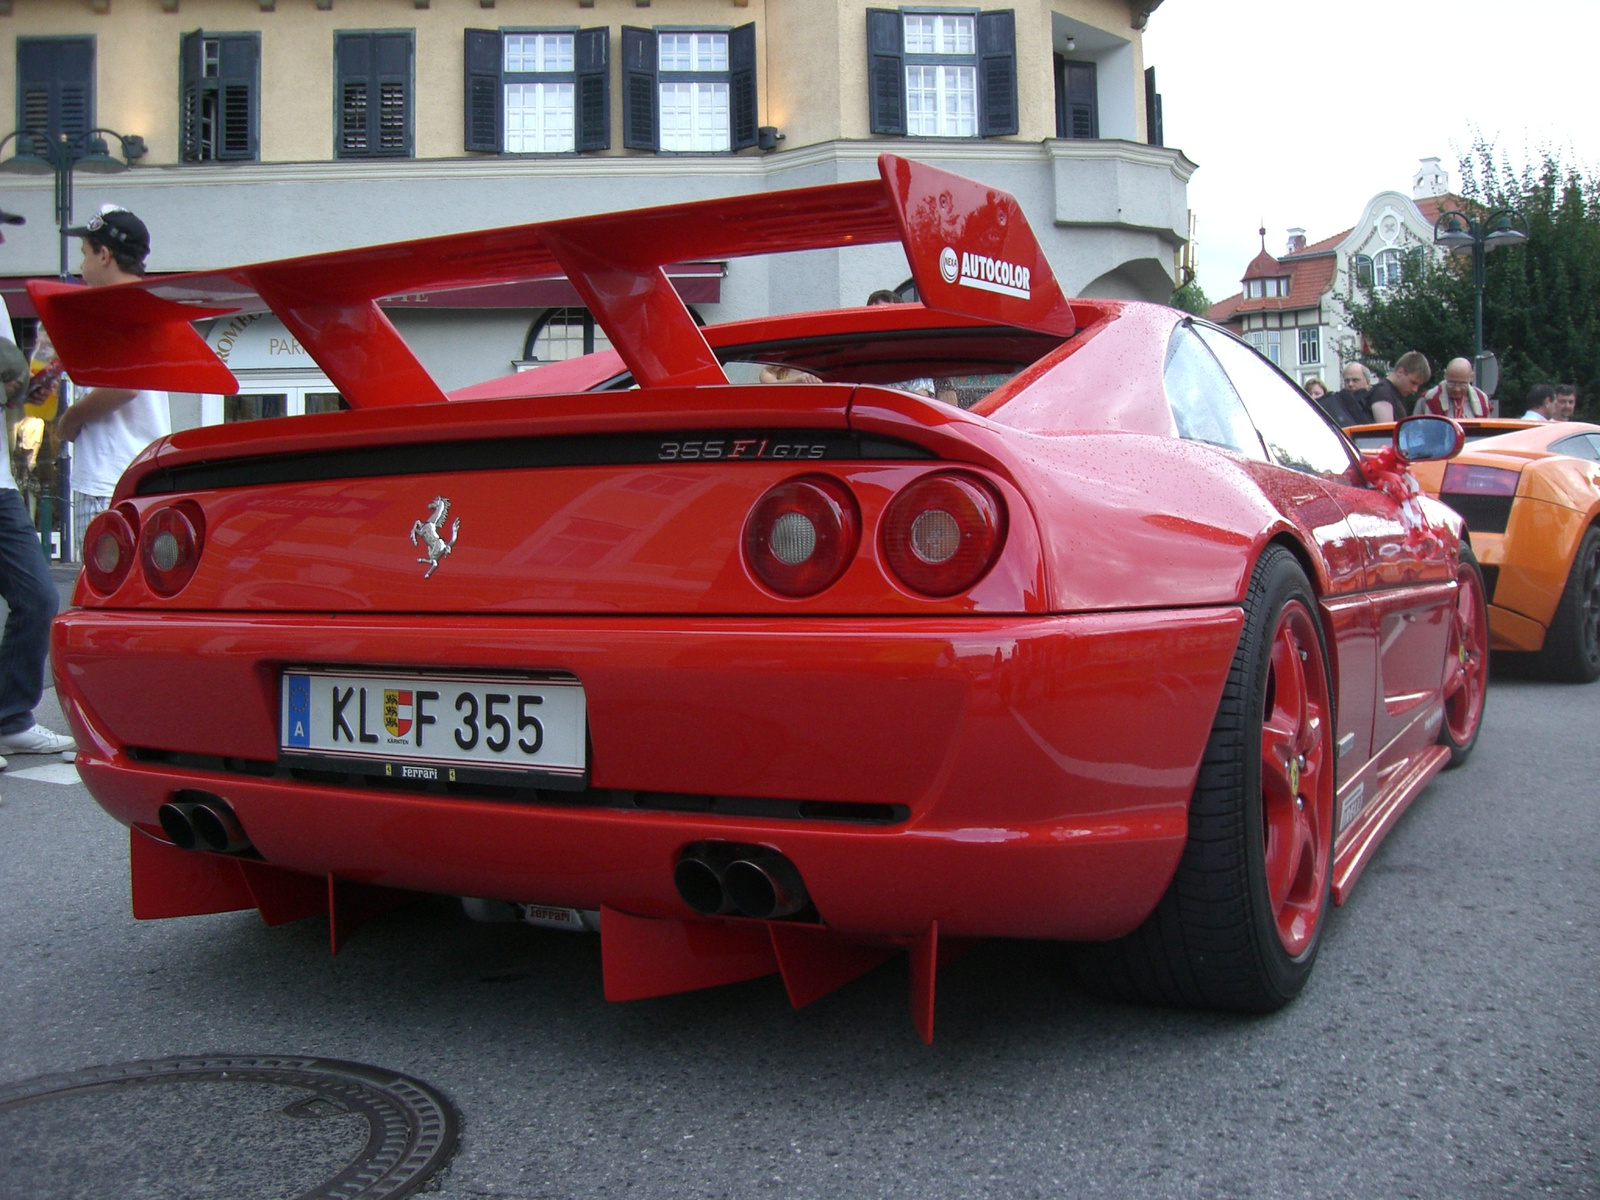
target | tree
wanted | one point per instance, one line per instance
(1190, 297)
(1541, 300)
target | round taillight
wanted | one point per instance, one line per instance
(942, 533)
(802, 534)
(169, 547)
(108, 548)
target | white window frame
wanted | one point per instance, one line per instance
(1388, 268)
(1313, 335)
(694, 94)
(538, 97)
(941, 73)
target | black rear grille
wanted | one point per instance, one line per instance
(757, 807)
(1483, 514)
(520, 453)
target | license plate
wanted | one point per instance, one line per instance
(437, 728)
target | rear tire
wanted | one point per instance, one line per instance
(1571, 651)
(1241, 922)
(1466, 679)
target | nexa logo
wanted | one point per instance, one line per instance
(986, 274)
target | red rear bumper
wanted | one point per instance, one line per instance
(1046, 762)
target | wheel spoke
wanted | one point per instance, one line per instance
(1284, 868)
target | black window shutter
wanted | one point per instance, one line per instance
(1154, 135)
(393, 59)
(55, 86)
(639, 88)
(742, 117)
(592, 58)
(190, 71)
(1082, 104)
(484, 98)
(997, 73)
(886, 72)
(238, 102)
(354, 60)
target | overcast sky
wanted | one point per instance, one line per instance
(1298, 111)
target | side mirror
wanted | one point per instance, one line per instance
(1426, 438)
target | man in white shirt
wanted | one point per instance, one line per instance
(30, 596)
(1542, 403)
(108, 426)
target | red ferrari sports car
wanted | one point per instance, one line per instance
(746, 648)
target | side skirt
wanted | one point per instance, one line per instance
(1361, 840)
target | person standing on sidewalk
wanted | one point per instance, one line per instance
(1456, 396)
(1388, 396)
(31, 601)
(108, 426)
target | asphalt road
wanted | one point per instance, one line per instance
(1445, 1047)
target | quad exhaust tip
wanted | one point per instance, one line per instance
(718, 878)
(201, 821)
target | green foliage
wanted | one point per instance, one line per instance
(1191, 298)
(1541, 300)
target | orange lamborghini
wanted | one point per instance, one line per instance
(1530, 494)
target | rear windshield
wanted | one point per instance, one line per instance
(956, 366)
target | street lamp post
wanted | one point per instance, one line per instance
(1461, 234)
(37, 154)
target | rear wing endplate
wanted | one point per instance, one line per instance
(970, 248)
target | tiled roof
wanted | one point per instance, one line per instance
(1323, 247)
(1222, 311)
(1308, 279)
(1434, 205)
(1261, 265)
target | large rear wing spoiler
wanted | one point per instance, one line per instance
(970, 248)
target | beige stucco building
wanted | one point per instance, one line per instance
(280, 127)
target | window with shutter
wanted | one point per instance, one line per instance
(537, 91)
(218, 97)
(373, 90)
(55, 86)
(1077, 100)
(942, 72)
(690, 90)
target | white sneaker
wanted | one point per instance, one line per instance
(37, 740)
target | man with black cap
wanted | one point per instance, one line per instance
(108, 426)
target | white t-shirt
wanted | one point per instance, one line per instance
(1533, 414)
(105, 446)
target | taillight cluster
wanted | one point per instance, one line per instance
(939, 535)
(167, 544)
(1472, 480)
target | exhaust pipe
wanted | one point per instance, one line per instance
(715, 878)
(200, 821)
(217, 827)
(698, 876)
(175, 823)
(765, 886)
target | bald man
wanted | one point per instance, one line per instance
(1456, 396)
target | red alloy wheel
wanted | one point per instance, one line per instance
(1296, 779)
(1466, 664)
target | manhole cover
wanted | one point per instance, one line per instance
(237, 1129)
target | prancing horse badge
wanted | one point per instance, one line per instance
(427, 534)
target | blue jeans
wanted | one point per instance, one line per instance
(30, 594)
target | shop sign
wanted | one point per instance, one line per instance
(257, 342)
